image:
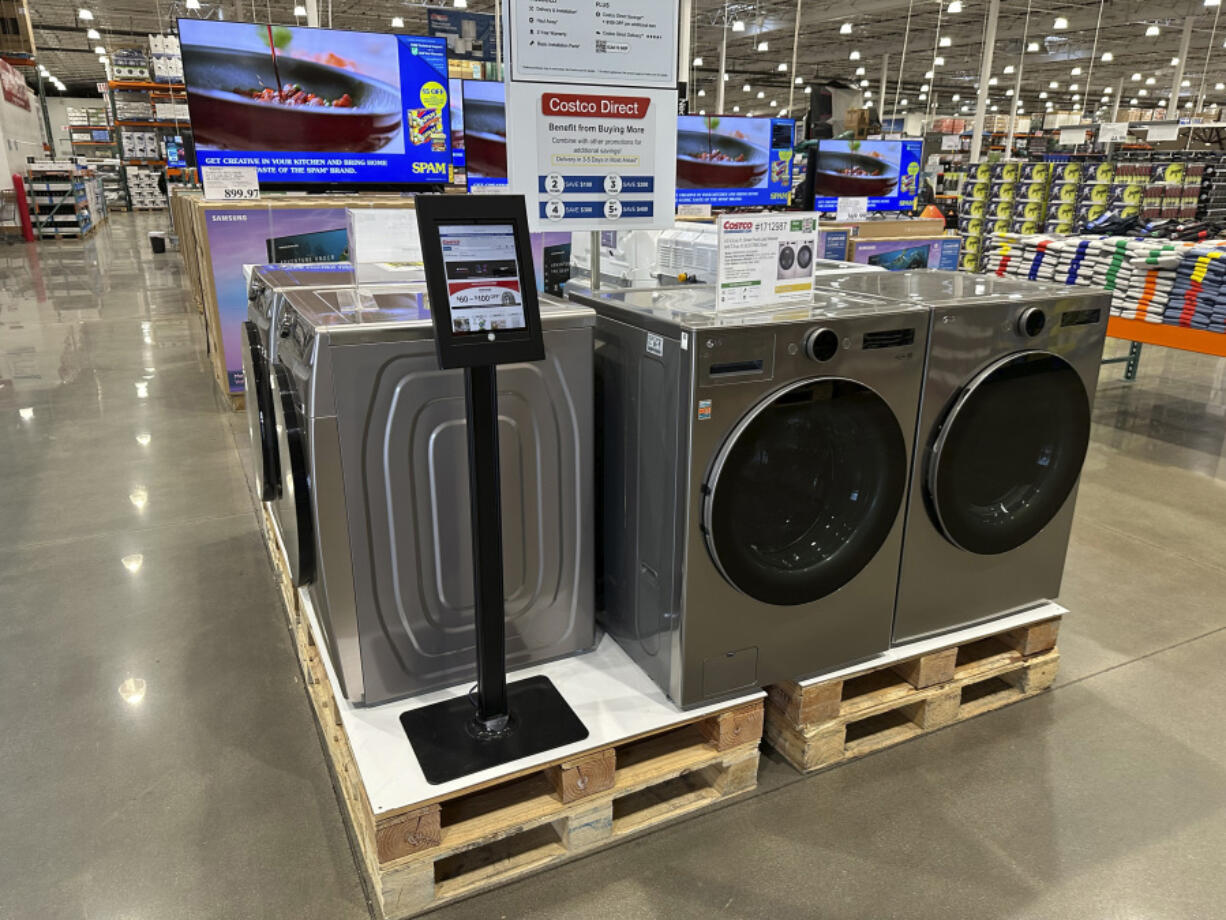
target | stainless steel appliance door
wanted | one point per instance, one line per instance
(293, 507)
(805, 491)
(1008, 452)
(260, 422)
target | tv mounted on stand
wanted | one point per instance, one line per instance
(319, 109)
(730, 161)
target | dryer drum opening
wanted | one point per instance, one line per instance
(805, 491)
(1008, 452)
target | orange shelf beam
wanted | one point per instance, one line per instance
(1181, 337)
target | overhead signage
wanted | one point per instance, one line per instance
(14, 86)
(1155, 133)
(765, 258)
(950, 142)
(592, 158)
(1112, 132)
(230, 183)
(606, 43)
(1071, 137)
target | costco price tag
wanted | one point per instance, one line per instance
(851, 209)
(230, 183)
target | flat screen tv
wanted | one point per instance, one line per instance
(318, 107)
(887, 173)
(485, 132)
(733, 161)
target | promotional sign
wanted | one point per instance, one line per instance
(591, 158)
(230, 183)
(13, 85)
(1111, 132)
(851, 209)
(901, 254)
(469, 36)
(1156, 133)
(1072, 136)
(623, 43)
(730, 161)
(764, 258)
(318, 106)
(951, 142)
(886, 172)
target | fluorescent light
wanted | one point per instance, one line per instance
(868, 103)
(1060, 23)
(1076, 71)
(1076, 96)
(1104, 99)
(845, 28)
(1108, 57)
(808, 90)
(1188, 104)
(192, 4)
(1008, 68)
(923, 96)
(736, 108)
(702, 92)
(774, 103)
(1136, 77)
(299, 10)
(1186, 83)
(738, 25)
(993, 108)
(1142, 92)
(925, 88)
(1152, 32)
(1108, 90)
(954, 98)
(904, 102)
(1133, 101)
(1033, 46)
(725, 76)
(761, 94)
(937, 61)
(746, 88)
(945, 42)
(782, 67)
(84, 14)
(1150, 81)
(763, 46)
(1219, 86)
(1213, 2)
(102, 59)
(1174, 62)
(397, 22)
(702, 111)
(98, 49)
(1043, 95)
(698, 62)
(461, 4)
(864, 82)
(800, 80)
(1009, 91)
(93, 34)
(992, 81)
(1074, 86)
(868, 94)
(955, 6)
(782, 112)
(854, 56)
(859, 71)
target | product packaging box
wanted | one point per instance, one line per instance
(1066, 172)
(907, 253)
(1064, 192)
(832, 243)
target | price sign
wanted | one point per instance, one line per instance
(1157, 133)
(851, 209)
(1110, 132)
(230, 183)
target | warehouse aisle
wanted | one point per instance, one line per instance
(161, 759)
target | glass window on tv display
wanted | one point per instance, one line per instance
(485, 132)
(887, 173)
(734, 161)
(318, 106)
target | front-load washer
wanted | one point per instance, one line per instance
(374, 506)
(752, 467)
(265, 295)
(1004, 425)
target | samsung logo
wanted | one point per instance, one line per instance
(219, 218)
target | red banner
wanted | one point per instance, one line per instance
(594, 106)
(14, 86)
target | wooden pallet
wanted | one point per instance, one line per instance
(818, 724)
(460, 844)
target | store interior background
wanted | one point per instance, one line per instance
(212, 798)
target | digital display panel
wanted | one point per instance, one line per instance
(481, 265)
(485, 132)
(887, 173)
(318, 106)
(734, 161)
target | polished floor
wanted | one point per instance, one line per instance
(159, 758)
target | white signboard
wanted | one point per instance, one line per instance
(593, 158)
(693, 210)
(607, 43)
(230, 183)
(765, 258)
(851, 209)
(951, 142)
(383, 235)
(1072, 136)
(1111, 132)
(1155, 133)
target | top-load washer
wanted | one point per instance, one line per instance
(266, 289)
(1004, 426)
(752, 471)
(374, 506)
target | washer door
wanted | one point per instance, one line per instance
(260, 422)
(294, 503)
(805, 491)
(1008, 452)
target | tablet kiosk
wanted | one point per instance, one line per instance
(483, 302)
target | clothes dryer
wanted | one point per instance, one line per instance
(374, 506)
(752, 468)
(1004, 426)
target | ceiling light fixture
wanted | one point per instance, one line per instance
(1108, 57)
(299, 10)
(992, 81)
(738, 25)
(397, 22)
(702, 92)
(1043, 94)
(761, 94)
(84, 14)
(859, 71)
(1152, 32)
(955, 6)
(763, 46)
(1174, 62)
(1150, 81)
(1008, 68)
(937, 61)
(1060, 23)
(854, 56)
(808, 90)
(945, 42)
(1074, 86)
(1076, 71)
(1033, 46)
(698, 62)
(1186, 83)
(845, 28)
(746, 88)
(460, 4)
(1219, 86)
(954, 98)
(93, 35)
(782, 67)
(192, 4)
(736, 108)
(1142, 92)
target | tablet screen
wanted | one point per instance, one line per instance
(483, 285)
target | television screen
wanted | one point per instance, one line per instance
(887, 173)
(485, 132)
(318, 106)
(734, 161)
(455, 99)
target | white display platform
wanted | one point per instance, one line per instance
(612, 696)
(1044, 611)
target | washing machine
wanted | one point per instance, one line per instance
(373, 509)
(752, 467)
(1004, 426)
(265, 294)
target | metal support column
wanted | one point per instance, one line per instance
(885, 76)
(1172, 108)
(1017, 87)
(985, 73)
(723, 63)
(684, 61)
(795, 52)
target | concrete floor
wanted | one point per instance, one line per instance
(159, 758)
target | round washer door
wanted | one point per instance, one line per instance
(260, 422)
(805, 491)
(1008, 452)
(294, 503)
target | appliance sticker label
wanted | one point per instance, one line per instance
(655, 345)
(765, 258)
(685, 341)
(704, 410)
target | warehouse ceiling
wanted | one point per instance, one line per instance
(903, 37)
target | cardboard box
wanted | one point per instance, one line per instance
(896, 229)
(857, 121)
(898, 254)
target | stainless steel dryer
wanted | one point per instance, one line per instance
(265, 295)
(752, 468)
(373, 509)
(1003, 430)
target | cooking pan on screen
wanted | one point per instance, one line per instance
(717, 161)
(854, 175)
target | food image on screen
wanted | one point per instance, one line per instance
(485, 132)
(884, 172)
(483, 284)
(730, 161)
(317, 105)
